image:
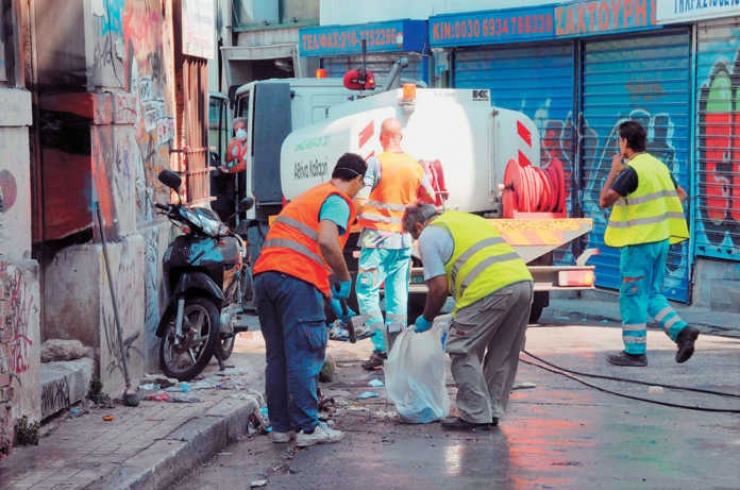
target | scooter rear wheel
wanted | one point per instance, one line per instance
(201, 332)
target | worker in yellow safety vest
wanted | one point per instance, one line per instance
(646, 220)
(463, 254)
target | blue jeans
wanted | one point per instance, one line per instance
(293, 323)
(642, 268)
(392, 267)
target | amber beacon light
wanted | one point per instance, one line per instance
(321, 73)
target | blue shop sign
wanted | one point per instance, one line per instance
(492, 27)
(404, 35)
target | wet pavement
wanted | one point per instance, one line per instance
(559, 434)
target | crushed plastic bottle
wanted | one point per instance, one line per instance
(184, 398)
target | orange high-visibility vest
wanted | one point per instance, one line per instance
(292, 244)
(400, 179)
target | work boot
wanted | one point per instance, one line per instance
(456, 423)
(375, 362)
(630, 360)
(685, 341)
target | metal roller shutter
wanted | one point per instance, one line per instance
(379, 64)
(718, 133)
(538, 81)
(646, 78)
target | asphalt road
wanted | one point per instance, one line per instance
(558, 434)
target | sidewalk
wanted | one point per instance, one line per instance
(148, 446)
(154, 444)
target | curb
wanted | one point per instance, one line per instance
(166, 460)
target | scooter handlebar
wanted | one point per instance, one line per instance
(161, 206)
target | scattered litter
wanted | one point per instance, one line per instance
(232, 371)
(584, 319)
(562, 317)
(159, 379)
(376, 383)
(161, 396)
(173, 397)
(184, 398)
(75, 411)
(181, 388)
(367, 394)
(524, 385)
(655, 390)
(257, 483)
(150, 387)
(108, 418)
(605, 320)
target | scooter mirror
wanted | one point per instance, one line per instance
(246, 204)
(170, 179)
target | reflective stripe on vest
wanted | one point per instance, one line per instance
(482, 261)
(652, 213)
(291, 245)
(400, 179)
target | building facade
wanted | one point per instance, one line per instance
(579, 69)
(103, 95)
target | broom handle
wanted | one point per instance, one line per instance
(119, 331)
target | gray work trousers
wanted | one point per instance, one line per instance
(484, 343)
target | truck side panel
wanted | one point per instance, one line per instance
(272, 123)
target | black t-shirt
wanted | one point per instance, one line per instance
(626, 182)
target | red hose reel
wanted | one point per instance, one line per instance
(530, 189)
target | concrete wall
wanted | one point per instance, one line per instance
(716, 285)
(19, 277)
(102, 148)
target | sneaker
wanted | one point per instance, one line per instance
(321, 434)
(685, 341)
(375, 362)
(629, 360)
(282, 437)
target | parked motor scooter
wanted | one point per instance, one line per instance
(204, 274)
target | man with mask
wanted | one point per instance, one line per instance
(237, 149)
(228, 184)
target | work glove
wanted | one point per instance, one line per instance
(422, 324)
(341, 290)
(344, 315)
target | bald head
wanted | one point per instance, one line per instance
(391, 134)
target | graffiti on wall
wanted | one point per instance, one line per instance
(108, 52)
(55, 396)
(130, 39)
(17, 304)
(127, 284)
(718, 169)
(8, 190)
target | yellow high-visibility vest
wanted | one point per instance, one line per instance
(482, 262)
(652, 213)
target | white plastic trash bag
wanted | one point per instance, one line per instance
(415, 375)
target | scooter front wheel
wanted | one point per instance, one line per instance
(186, 357)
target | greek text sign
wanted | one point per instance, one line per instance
(491, 27)
(603, 16)
(689, 10)
(384, 37)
